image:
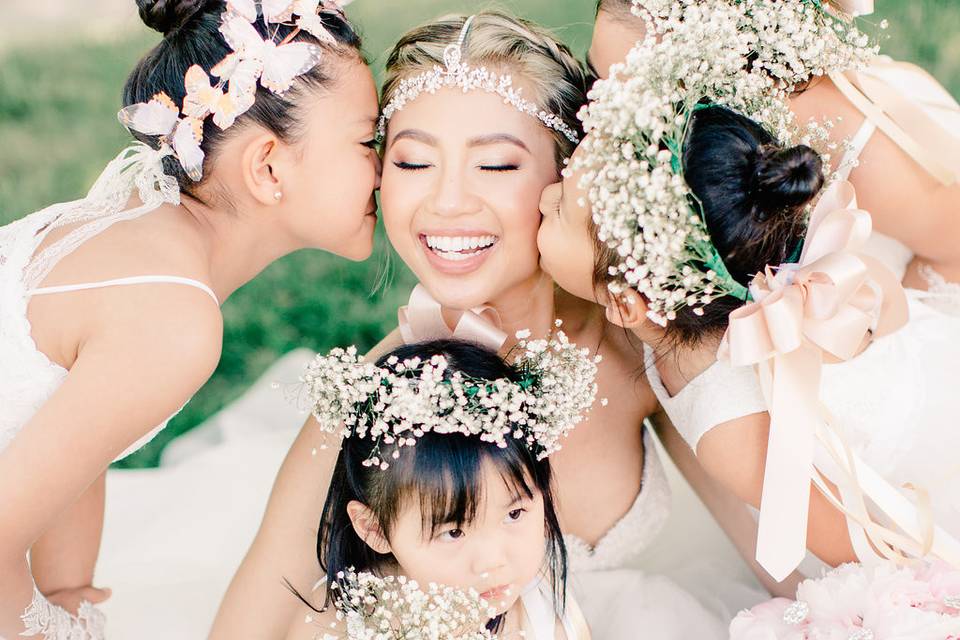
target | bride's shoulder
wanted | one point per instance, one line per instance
(390, 342)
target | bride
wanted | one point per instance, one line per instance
(465, 165)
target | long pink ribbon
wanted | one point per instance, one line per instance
(823, 307)
(422, 319)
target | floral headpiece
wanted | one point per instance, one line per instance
(456, 73)
(394, 406)
(746, 55)
(253, 58)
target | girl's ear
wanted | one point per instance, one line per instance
(366, 525)
(263, 166)
(627, 309)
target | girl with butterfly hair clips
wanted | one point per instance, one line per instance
(443, 478)
(254, 124)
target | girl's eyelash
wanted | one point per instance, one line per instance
(519, 513)
(409, 166)
(371, 144)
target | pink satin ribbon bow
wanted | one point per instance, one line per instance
(826, 305)
(422, 319)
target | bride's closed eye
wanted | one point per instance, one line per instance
(410, 166)
(499, 168)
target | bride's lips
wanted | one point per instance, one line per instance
(457, 252)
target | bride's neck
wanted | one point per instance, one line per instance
(677, 363)
(529, 305)
(236, 246)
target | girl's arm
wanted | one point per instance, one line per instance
(258, 605)
(63, 559)
(734, 453)
(728, 510)
(127, 378)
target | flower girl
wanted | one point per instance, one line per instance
(442, 478)
(709, 253)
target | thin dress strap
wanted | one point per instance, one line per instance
(126, 281)
(857, 143)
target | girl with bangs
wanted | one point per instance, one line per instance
(454, 509)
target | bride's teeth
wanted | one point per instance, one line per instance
(453, 247)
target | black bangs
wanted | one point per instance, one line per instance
(445, 472)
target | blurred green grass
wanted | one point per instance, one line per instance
(58, 129)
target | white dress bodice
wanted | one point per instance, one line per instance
(633, 532)
(28, 378)
(896, 402)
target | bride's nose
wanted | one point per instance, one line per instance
(453, 196)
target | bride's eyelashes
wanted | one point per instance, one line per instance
(410, 166)
(499, 167)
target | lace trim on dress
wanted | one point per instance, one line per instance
(941, 294)
(51, 622)
(636, 529)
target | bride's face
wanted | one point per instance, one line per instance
(462, 179)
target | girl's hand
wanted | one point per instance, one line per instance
(70, 599)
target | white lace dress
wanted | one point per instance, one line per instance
(650, 576)
(28, 378)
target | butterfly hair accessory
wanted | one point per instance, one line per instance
(457, 74)
(230, 88)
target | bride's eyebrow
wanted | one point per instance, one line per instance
(497, 138)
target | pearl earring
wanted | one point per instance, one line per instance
(278, 195)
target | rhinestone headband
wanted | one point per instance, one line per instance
(458, 74)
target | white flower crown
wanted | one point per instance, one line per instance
(253, 58)
(746, 55)
(396, 405)
(457, 73)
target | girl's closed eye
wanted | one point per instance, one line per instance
(372, 143)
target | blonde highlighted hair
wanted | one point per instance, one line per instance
(505, 44)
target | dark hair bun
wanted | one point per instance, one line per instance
(168, 15)
(785, 179)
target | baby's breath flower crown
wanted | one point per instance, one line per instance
(396, 608)
(746, 56)
(395, 405)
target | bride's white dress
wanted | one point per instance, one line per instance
(174, 535)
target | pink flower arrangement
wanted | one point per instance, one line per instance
(857, 602)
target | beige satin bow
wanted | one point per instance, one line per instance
(823, 307)
(907, 118)
(422, 319)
